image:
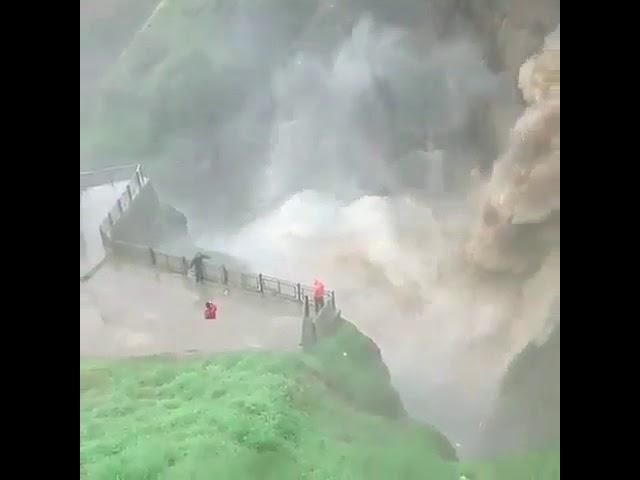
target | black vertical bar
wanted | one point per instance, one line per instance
(260, 283)
(103, 237)
(333, 299)
(129, 192)
(153, 256)
(299, 292)
(139, 175)
(225, 275)
(185, 265)
(306, 306)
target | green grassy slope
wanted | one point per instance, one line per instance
(250, 415)
(351, 364)
(328, 414)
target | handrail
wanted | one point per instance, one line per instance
(136, 185)
(213, 273)
(107, 175)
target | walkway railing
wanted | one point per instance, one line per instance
(213, 273)
(137, 183)
(107, 175)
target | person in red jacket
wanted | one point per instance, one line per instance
(318, 294)
(210, 310)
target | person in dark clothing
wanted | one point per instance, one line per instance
(198, 266)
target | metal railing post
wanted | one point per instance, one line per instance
(103, 237)
(185, 265)
(114, 216)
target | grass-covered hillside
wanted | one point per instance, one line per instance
(328, 414)
(250, 415)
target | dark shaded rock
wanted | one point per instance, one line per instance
(352, 365)
(149, 222)
(527, 414)
(442, 445)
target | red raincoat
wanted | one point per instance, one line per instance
(210, 312)
(318, 289)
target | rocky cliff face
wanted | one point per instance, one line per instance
(150, 222)
(351, 364)
(527, 414)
